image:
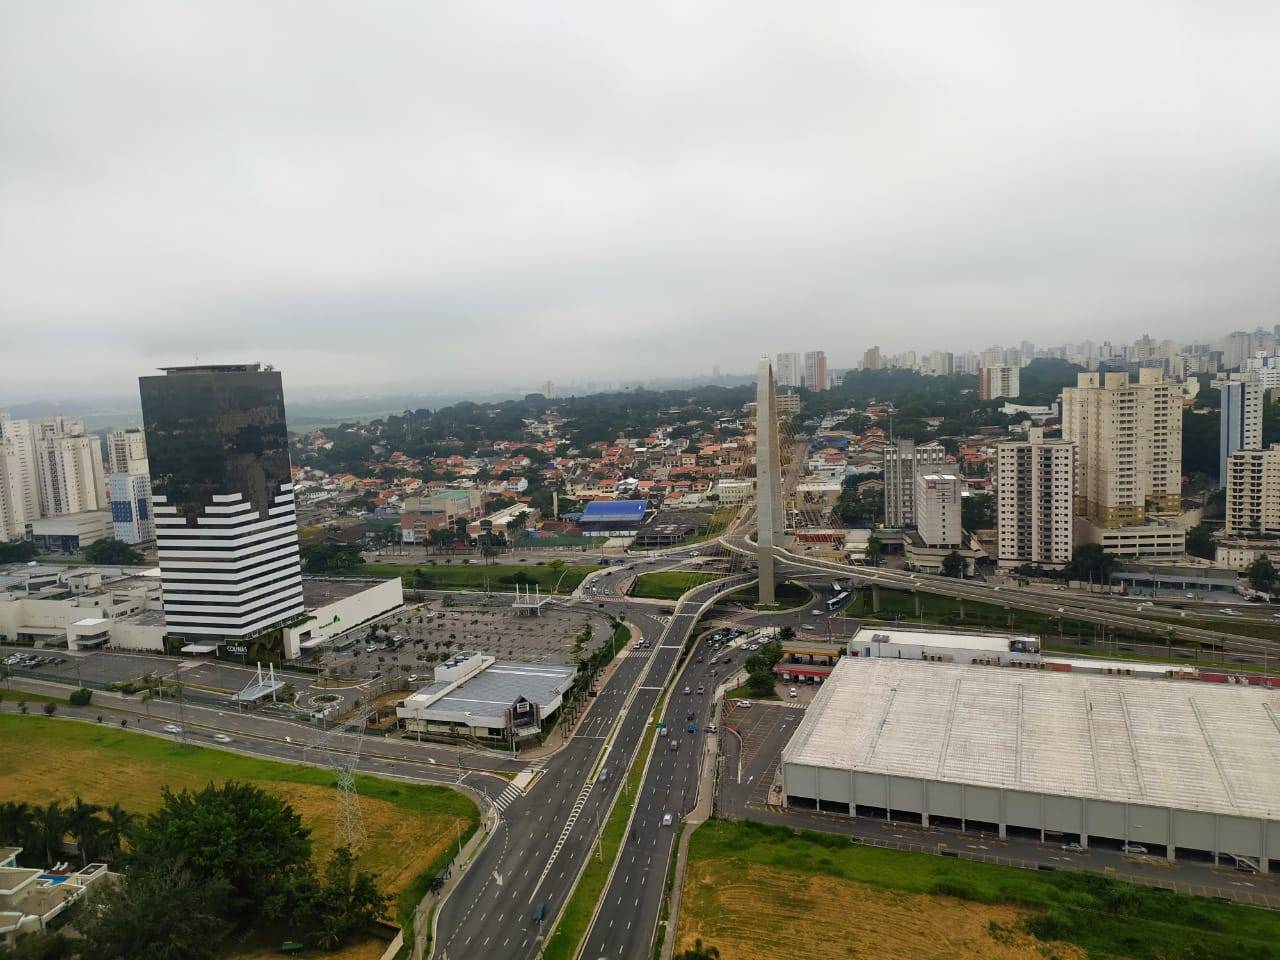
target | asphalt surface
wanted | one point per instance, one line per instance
(534, 856)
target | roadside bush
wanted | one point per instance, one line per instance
(80, 697)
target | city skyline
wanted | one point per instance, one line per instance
(588, 190)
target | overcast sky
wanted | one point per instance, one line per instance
(436, 194)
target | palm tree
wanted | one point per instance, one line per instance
(48, 831)
(17, 821)
(85, 828)
(115, 828)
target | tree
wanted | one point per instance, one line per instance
(1200, 542)
(1090, 562)
(48, 830)
(978, 512)
(109, 550)
(17, 824)
(1262, 574)
(872, 552)
(953, 565)
(699, 952)
(233, 833)
(162, 911)
(50, 708)
(341, 903)
(331, 557)
(85, 828)
(17, 551)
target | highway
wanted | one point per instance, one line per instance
(534, 856)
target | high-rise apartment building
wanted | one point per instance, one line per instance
(72, 477)
(815, 370)
(903, 461)
(1128, 445)
(938, 496)
(226, 527)
(789, 371)
(1240, 426)
(127, 451)
(938, 363)
(999, 381)
(1035, 501)
(131, 510)
(871, 358)
(1253, 492)
(19, 479)
(1027, 352)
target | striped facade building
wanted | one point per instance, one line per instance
(226, 524)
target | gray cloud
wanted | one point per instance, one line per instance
(475, 192)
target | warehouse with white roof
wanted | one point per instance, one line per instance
(1183, 768)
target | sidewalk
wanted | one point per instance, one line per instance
(425, 911)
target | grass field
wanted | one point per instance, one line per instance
(464, 576)
(898, 604)
(412, 828)
(788, 596)
(669, 584)
(757, 891)
(565, 939)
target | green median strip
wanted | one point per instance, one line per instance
(567, 937)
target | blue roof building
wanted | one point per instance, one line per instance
(613, 515)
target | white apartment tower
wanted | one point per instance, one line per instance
(1253, 492)
(226, 527)
(815, 370)
(1241, 424)
(1035, 501)
(903, 461)
(938, 495)
(1128, 440)
(127, 451)
(19, 479)
(131, 510)
(999, 381)
(72, 478)
(789, 372)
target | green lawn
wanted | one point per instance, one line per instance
(787, 595)
(565, 939)
(1105, 917)
(43, 759)
(744, 693)
(669, 584)
(467, 576)
(900, 605)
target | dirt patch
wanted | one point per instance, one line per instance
(753, 912)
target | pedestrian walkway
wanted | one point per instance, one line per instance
(509, 795)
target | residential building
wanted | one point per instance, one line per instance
(903, 460)
(19, 479)
(131, 510)
(938, 497)
(815, 370)
(790, 371)
(1253, 492)
(1241, 419)
(127, 451)
(871, 358)
(938, 363)
(72, 477)
(788, 404)
(226, 527)
(998, 381)
(1035, 501)
(1128, 439)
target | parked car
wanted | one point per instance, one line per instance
(744, 704)
(793, 693)
(1073, 847)
(1134, 848)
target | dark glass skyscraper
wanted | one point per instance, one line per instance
(226, 526)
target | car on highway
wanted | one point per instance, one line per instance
(1229, 611)
(816, 613)
(1134, 848)
(688, 690)
(701, 689)
(1073, 847)
(711, 728)
(667, 819)
(413, 678)
(675, 744)
(172, 728)
(807, 626)
(221, 738)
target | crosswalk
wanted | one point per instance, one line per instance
(508, 796)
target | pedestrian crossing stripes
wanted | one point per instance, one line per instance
(508, 796)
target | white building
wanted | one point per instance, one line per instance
(19, 479)
(72, 477)
(902, 461)
(937, 506)
(1240, 426)
(127, 451)
(1175, 765)
(790, 372)
(131, 510)
(1253, 491)
(938, 363)
(999, 381)
(815, 370)
(1035, 487)
(70, 532)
